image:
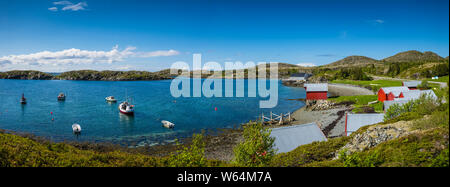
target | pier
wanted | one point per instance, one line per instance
(274, 119)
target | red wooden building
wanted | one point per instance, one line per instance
(390, 93)
(316, 91)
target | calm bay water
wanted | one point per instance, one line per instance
(101, 121)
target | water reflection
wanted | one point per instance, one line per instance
(23, 106)
(126, 120)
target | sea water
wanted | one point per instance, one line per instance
(85, 104)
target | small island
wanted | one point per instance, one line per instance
(87, 75)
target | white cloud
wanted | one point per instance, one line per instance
(53, 9)
(62, 3)
(379, 21)
(67, 5)
(159, 53)
(77, 56)
(76, 7)
(124, 68)
(306, 64)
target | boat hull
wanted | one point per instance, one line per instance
(126, 113)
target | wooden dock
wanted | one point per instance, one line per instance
(274, 119)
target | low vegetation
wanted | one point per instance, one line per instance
(110, 75)
(257, 148)
(373, 85)
(361, 103)
(440, 79)
(25, 75)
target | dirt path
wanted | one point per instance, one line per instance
(442, 84)
(329, 120)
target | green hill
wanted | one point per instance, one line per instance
(414, 56)
(352, 61)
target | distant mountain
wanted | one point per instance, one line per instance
(353, 61)
(414, 56)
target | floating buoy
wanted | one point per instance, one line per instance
(51, 113)
(53, 119)
(215, 109)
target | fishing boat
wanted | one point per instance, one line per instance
(167, 124)
(23, 100)
(61, 97)
(111, 99)
(76, 128)
(126, 108)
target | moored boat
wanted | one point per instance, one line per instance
(23, 100)
(167, 124)
(61, 97)
(111, 99)
(126, 108)
(76, 128)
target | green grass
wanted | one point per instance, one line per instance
(17, 151)
(374, 85)
(440, 79)
(427, 149)
(360, 102)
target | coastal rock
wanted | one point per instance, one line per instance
(317, 105)
(374, 136)
(294, 83)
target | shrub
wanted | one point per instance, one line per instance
(190, 156)
(355, 160)
(422, 106)
(257, 148)
(424, 85)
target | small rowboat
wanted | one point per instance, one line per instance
(167, 124)
(76, 128)
(111, 99)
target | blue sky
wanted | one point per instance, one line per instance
(151, 35)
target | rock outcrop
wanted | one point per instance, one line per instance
(316, 105)
(376, 135)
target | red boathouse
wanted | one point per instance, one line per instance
(316, 91)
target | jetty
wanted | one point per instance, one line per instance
(274, 119)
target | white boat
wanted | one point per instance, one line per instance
(126, 108)
(76, 128)
(167, 124)
(111, 99)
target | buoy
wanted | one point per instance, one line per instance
(53, 119)
(215, 108)
(51, 113)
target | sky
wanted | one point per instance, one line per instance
(57, 36)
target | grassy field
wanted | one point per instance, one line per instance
(360, 102)
(440, 79)
(374, 85)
